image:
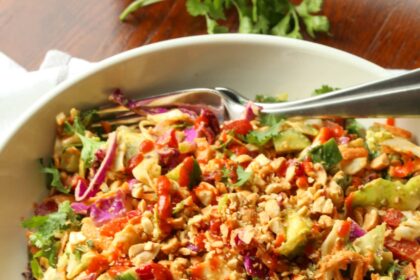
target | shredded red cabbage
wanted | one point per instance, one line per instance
(80, 208)
(255, 268)
(81, 192)
(355, 231)
(102, 210)
(107, 209)
(251, 111)
(190, 134)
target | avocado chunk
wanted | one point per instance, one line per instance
(373, 242)
(381, 192)
(290, 141)
(297, 232)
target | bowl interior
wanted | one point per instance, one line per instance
(250, 64)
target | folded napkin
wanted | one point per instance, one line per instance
(20, 88)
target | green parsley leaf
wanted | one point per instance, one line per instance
(327, 154)
(324, 89)
(270, 99)
(243, 177)
(275, 17)
(260, 138)
(55, 180)
(270, 119)
(46, 227)
(90, 146)
(137, 4)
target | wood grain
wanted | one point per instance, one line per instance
(386, 32)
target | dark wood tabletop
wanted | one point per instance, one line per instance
(386, 32)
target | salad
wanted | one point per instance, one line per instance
(178, 195)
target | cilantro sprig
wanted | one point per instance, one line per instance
(327, 154)
(261, 137)
(44, 230)
(275, 17)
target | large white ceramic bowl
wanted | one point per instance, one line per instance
(251, 64)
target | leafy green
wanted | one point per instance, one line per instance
(270, 119)
(90, 146)
(54, 180)
(327, 154)
(395, 271)
(137, 4)
(354, 127)
(81, 122)
(45, 228)
(324, 89)
(243, 177)
(261, 138)
(270, 99)
(275, 17)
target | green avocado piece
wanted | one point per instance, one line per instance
(373, 242)
(174, 173)
(297, 232)
(381, 192)
(290, 141)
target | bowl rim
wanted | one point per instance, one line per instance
(207, 39)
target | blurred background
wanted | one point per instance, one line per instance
(386, 32)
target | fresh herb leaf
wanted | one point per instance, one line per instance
(270, 99)
(90, 146)
(275, 17)
(54, 179)
(270, 119)
(137, 4)
(354, 127)
(313, 23)
(324, 89)
(260, 138)
(243, 177)
(126, 276)
(327, 154)
(45, 228)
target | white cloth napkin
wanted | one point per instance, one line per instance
(20, 88)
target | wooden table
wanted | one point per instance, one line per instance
(386, 32)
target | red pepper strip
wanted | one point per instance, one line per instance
(344, 230)
(154, 271)
(336, 129)
(393, 217)
(402, 171)
(98, 264)
(185, 172)
(241, 127)
(164, 203)
(403, 249)
(324, 135)
(146, 146)
(390, 121)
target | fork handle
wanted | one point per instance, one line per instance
(400, 102)
(409, 79)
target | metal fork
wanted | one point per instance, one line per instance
(398, 96)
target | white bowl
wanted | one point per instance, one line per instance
(251, 64)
